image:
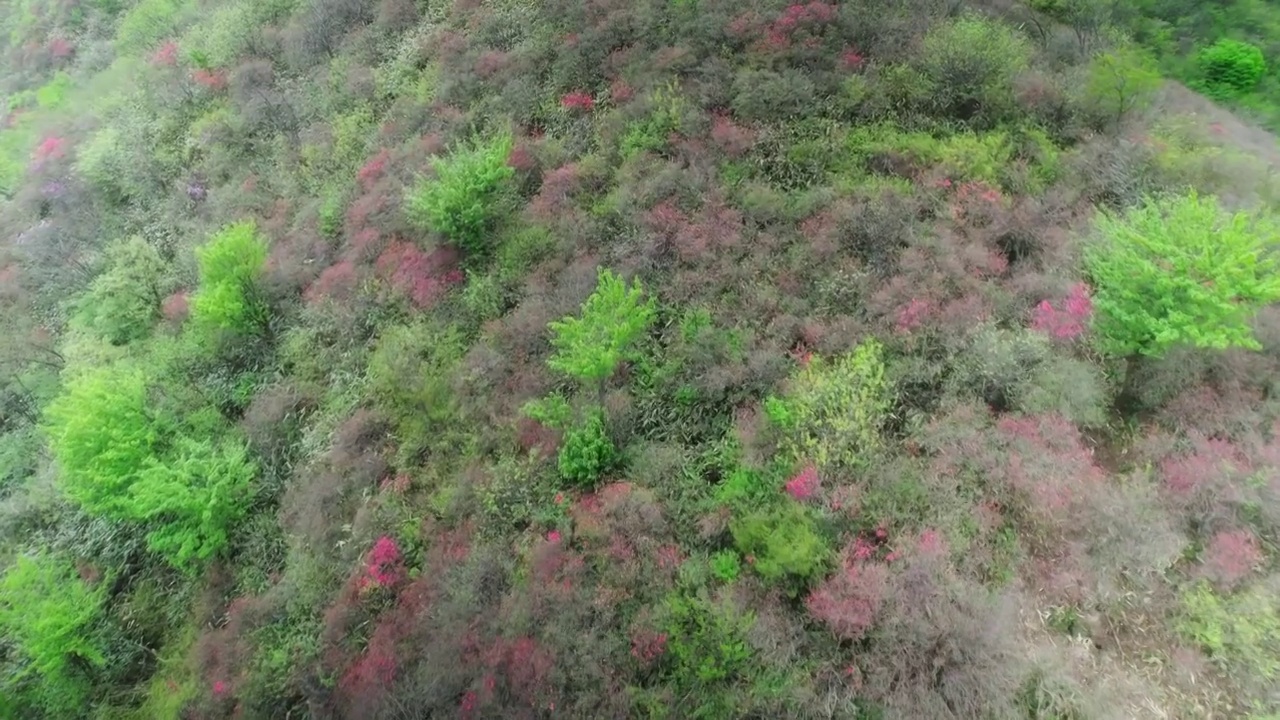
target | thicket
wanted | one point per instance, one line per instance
(730, 358)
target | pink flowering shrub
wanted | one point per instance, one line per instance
(166, 55)
(1067, 322)
(176, 307)
(336, 282)
(1230, 557)
(805, 484)
(422, 277)
(213, 80)
(384, 566)
(849, 600)
(647, 646)
(578, 101)
(372, 170)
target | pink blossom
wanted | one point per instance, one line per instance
(849, 601)
(553, 536)
(383, 566)
(166, 55)
(912, 315)
(805, 484)
(219, 687)
(580, 101)
(1231, 556)
(1069, 322)
(851, 60)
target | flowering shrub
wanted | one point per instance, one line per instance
(848, 601)
(1069, 322)
(1230, 557)
(578, 101)
(422, 277)
(384, 566)
(805, 484)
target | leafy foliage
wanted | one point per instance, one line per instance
(463, 200)
(832, 411)
(590, 347)
(781, 545)
(230, 266)
(588, 452)
(50, 614)
(1180, 269)
(123, 303)
(1231, 67)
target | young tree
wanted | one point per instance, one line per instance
(230, 265)
(1119, 82)
(124, 301)
(48, 613)
(461, 202)
(590, 346)
(1180, 270)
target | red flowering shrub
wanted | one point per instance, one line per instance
(384, 566)
(372, 170)
(849, 600)
(647, 646)
(337, 282)
(1069, 322)
(176, 307)
(422, 277)
(1230, 557)
(166, 55)
(50, 149)
(578, 101)
(213, 80)
(805, 484)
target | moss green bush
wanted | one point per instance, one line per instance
(588, 452)
(231, 264)
(1230, 67)
(781, 545)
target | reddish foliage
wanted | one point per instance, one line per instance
(647, 646)
(1069, 322)
(423, 277)
(733, 139)
(166, 55)
(490, 63)
(373, 169)
(912, 315)
(51, 148)
(176, 307)
(805, 484)
(1209, 459)
(620, 92)
(214, 80)
(61, 48)
(337, 282)
(578, 101)
(375, 668)
(849, 600)
(533, 436)
(1230, 557)
(553, 196)
(852, 60)
(522, 158)
(384, 566)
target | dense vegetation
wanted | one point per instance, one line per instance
(635, 358)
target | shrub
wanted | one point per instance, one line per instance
(1230, 67)
(1240, 632)
(588, 452)
(590, 347)
(1118, 83)
(781, 545)
(464, 199)
(123, 460)
(231, 264)
(124, 301)
(410, 375)
(725, 565)
(49, 613)
(972, 62)
(832, 411)
(1231, 556)
(706, 641)
(1180, 270)
(849, 600)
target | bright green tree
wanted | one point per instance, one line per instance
(230, 265)
(590, 346)
(123, 303)
(462, 201)
(122, 460)
(1180, 270)
(48, 613)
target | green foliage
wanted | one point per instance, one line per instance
(410, 375)
(53, 95)
(123, 302)
(1180, 270)
(614, 317)
(706, 640)
(1230, 67)
(463, 200)
(782, 545)
(971, 62)
(650, 133)
(230, 265)
(553, 411)
(832, 410)
(726, 565)
(121, 459)
(1119, 82)
(1241, 632)
(147, 23)
(49, 614)
(588, 452)
(744, 488)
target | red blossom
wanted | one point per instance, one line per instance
(1069, 322)
(51, 148)
(337, 282)
(522, 158)
(553, 536)
(912, 315)
(1230, 557)
(166, 55)
(647, 646)
(215, 80)
(372, 170)
(423, 277)
(579, 101)
(384, 566)
(849, 601)
(851, 60)
(805, 484)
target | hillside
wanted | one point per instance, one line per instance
(637, 359)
